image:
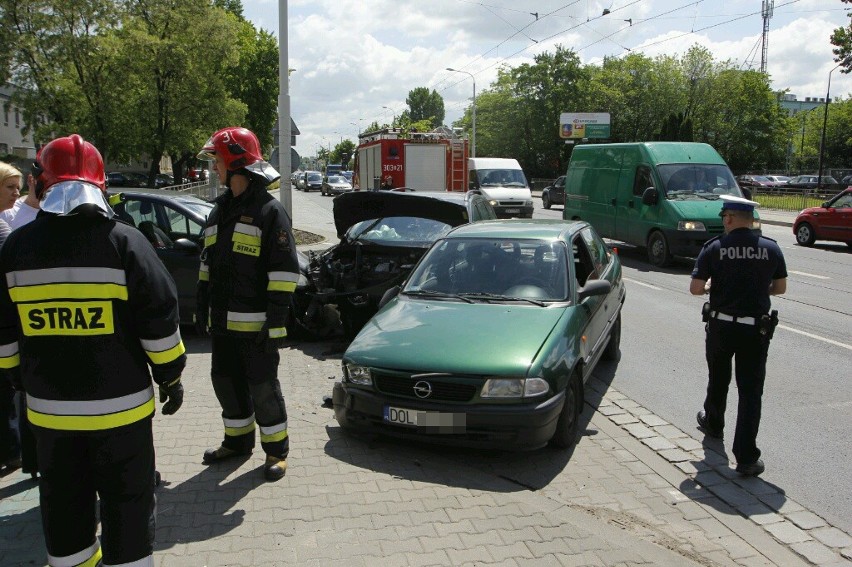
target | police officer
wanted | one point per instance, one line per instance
(88, 313)
(740, 270)
(248, 271)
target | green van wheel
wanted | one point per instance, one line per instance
(658, 250)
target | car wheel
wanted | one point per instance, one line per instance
(658, 250)
(545, 200)
(805, 235)
(613, 348)
(569, 418)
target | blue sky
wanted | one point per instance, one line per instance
(352, 58)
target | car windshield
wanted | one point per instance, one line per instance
(199, 207)
(502, 178)
(314, 177)
(697, 181)
(492, 270)
(337, 179)
(412, 232)
(759, 178)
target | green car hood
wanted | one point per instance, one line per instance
(702, 210)
(449, 336)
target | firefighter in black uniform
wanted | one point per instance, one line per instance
(248, 272)
(740, 270)
(88, 313)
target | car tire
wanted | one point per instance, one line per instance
(805, 235)
(613, 348)
(545, 200)
(569, 418)
(658, 250)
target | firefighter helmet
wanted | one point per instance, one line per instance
(68, 159)
(238, 146)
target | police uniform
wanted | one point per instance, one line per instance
(86, 309)
(248, 271)
(741, 266)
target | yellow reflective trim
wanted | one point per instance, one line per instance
(237, 431)
(209, 240)
(91, 422)
(68, 291)
(166, 356)
(246, 239)
(273, 437)
(247, 326)
(7, 362)
(247, 249)
(277, 332)
(203, 276)
(281, 286)
(95, 560)
(78, 318)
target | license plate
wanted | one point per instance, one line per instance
(443, 422)
(513, 211)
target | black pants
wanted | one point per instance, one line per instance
(727, 341)
(245, 378)
(10, 447)
(76, 468)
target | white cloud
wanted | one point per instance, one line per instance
(354, 57)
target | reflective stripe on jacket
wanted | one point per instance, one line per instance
(88, 313)
(248, 266)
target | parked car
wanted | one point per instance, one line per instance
(779, 180)
(172, 223)
(554, 194)
(754, 181)
(810, 181)
(335, 185)
(489, 340)
(164, 180)
(126, 179)
(830, 221)
(382, 235)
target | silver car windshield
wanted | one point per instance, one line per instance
(493, 270)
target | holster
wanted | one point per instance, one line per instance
(705, 312)
(767, 324)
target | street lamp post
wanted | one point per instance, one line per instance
(392, 114)
(825, 123)
(473, 111)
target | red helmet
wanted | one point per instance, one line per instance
(68, 159)
(239, 147)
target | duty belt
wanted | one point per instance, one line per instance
(732, 318)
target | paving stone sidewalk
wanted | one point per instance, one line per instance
(634, 491)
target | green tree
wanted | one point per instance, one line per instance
(425, 105)
(343, 152)
(841, 38)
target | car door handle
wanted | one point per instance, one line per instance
(613, 202)
(630, 204)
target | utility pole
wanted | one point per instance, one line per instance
(766, 11)
(285, 194)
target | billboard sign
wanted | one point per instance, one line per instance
(579, 125)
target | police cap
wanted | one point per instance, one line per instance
(732, 203)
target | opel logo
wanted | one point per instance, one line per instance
(423, 389)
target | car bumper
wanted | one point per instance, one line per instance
(689, 243)
(510, 427)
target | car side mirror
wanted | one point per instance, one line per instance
(650, 196)
(388, 295)
(746, 192)
(824, 205)
(594, 287)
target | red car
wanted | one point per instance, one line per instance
(831, 221)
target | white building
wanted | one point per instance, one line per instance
(12, 140)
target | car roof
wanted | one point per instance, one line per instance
(533, 229)
(357, 206)
(164, 195)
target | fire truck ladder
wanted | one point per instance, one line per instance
(458, 165)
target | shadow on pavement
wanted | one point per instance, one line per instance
(16, 542)
(186, 512)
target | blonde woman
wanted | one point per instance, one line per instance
(10, 185)
(10, 448)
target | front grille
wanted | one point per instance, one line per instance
(442, 390)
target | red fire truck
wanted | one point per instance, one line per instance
(424, 161)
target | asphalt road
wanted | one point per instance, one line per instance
(807, 402)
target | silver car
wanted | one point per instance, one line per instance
(335, 185)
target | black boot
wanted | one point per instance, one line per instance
(222, 453)
(274, 468)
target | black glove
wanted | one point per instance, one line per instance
(172, 392)
(14, 375)
(269, 344)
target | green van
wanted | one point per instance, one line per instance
(660, 195)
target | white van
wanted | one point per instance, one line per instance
(502, 182)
